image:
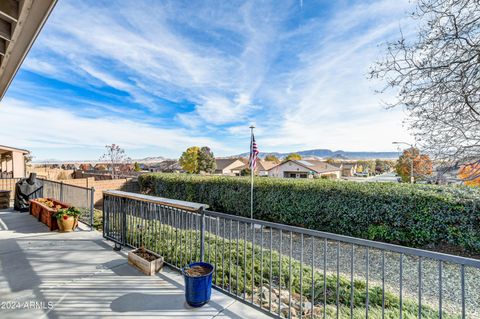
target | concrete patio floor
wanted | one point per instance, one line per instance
(53, 275)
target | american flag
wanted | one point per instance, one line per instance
(253, 154)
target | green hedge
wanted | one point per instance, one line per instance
(168, 242)
(412, 215)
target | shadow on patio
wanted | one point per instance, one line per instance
(55, 275)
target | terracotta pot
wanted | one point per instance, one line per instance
(66, 225)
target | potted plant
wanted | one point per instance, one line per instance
(198, 283)
(45, 210)
(67, 219)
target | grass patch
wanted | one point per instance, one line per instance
(97, 218)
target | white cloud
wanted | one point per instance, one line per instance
(219, 110)
(332, 103)
(152, 53)
(33, 126)
(106, 78)
(40, 66)
(303, 85)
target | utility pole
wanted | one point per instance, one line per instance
(412, 179)
(251, 172)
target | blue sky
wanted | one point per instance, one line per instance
(158, 76)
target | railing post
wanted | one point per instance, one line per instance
(124, 221)
(92, 209)
(104, 215)
(61, 191)
(202, 233)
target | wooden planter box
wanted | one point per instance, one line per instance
(45, 214)
(149, 268)
(4, 199)
(35, 209)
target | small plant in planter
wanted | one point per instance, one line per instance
(67, 219)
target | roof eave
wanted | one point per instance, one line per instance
(31, 18)
(13, 149)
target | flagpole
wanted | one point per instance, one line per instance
(251, 173)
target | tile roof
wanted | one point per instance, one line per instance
(223, 163)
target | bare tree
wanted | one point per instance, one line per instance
(115, 156)
(437, 79)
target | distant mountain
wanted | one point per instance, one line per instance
(307, 154)
(151, 159)
(326, 153)
(146, 160)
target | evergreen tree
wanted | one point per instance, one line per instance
(206, 160)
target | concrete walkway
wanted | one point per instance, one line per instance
(77, 275)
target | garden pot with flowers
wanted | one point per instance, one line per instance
(67, 219)
(45, 210)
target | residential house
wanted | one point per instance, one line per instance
(229, 166)
(100, 167)
(262, 167)
(12, 162)
(86, 167)
(446, 174)
(125, 167)
(305, 169)
(69, 166)
(349, 169)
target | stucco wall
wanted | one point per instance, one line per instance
(336, 173)
(18, 165)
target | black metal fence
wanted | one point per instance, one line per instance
(78, 196)
(5, 175)
(292, 272)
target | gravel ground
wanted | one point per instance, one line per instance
(451, 291)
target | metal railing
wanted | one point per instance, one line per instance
(82, 198)
(6, 175)
(78, 196)
(292, 272)
(8, 184)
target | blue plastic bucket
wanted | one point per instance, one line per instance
(198, 289)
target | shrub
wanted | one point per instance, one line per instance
(71, 211)
(412, 215)
(98, 219)
(62, 176)
(168, 242)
